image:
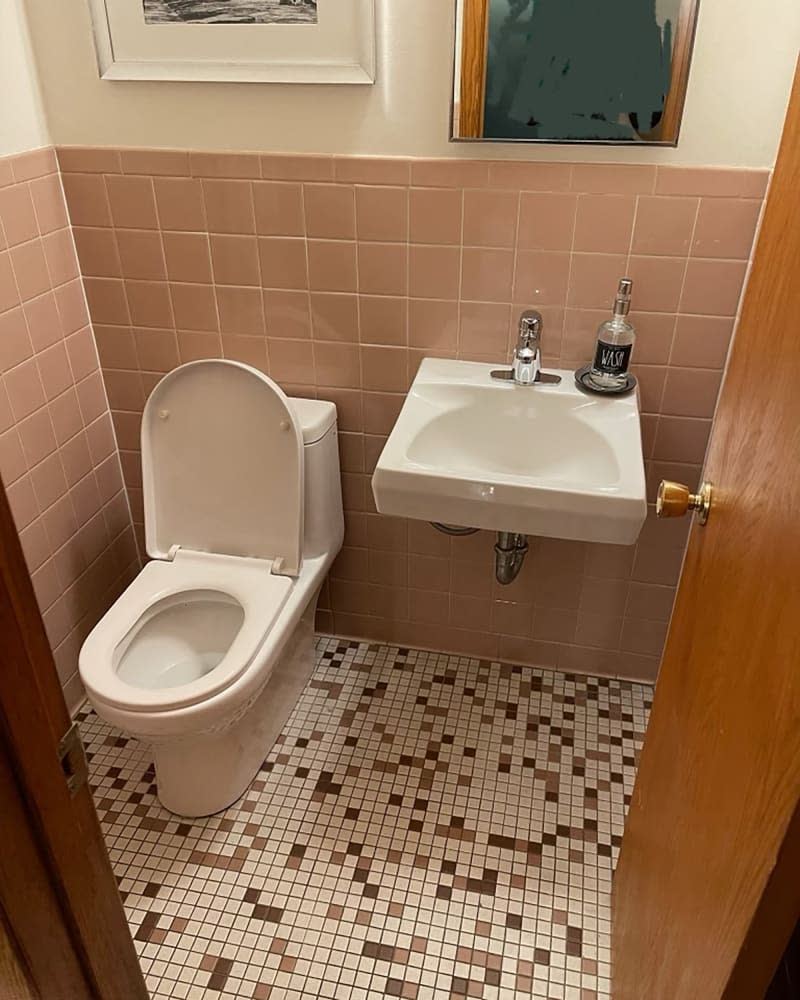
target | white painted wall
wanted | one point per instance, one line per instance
(22, 124)
(741, 74)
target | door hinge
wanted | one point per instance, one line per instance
(73, 760)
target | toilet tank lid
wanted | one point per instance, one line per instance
(315, 416)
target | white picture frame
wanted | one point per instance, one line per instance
(338, 49)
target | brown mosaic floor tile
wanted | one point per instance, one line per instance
(427, 826)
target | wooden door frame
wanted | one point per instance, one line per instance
(69, 856)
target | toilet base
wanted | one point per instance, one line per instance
(203, 775)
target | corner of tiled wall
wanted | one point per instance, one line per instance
(59, 460)
(336, 275)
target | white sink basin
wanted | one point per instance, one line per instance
(539, 460)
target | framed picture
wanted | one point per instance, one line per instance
(244, 41)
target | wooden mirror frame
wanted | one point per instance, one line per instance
(468, 117)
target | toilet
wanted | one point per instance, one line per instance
(206, 653)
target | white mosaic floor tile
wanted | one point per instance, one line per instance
(426, 826)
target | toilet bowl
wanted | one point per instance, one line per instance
(206, 653)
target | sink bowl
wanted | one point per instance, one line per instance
(547, 460)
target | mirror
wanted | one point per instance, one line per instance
(591, 71)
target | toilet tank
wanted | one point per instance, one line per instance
(324, 519)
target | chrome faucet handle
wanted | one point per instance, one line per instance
(530, 330)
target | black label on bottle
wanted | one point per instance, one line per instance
(612, 359)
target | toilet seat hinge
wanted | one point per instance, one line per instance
(173, 551)
(277, 566)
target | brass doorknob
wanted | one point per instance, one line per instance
(675, 500)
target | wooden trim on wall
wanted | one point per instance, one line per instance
(474, 51)
(33, 720)
(683, 42)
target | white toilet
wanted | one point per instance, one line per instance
(205, 654)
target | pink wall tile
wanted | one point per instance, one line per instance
(604, 223)
(664, 226)
(435, 216)
(490, 218)
(367, 265)
(725, 228)
(330, 211)
(546, 221)
(382, 214)
(47, 360)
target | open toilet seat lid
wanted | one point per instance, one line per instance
(222, 465)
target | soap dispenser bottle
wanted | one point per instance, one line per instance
(615, 338)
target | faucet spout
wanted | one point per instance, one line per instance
(527, 362)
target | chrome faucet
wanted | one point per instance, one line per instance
(526, 362)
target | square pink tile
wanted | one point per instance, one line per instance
(434, 272)
(383, 268)
(187, 257)
(594, 280)
(334, 316)
(283, 262)
(487, 275)
(241, 310)
(701, 341)
(604, 223)
(332, 266)
(141, 254)
(483, 331)
(657, 282)
(383, 320)
(435, 215)
(541, 277)
(279, 208)
(157, 350)
(195, 345)
(433, 324)
(44, 324)
(55, 371)
(87, 200)
(149, 303)
(726, 228)
(690, 392)
(490, 218)
(335, 364)
(180, 204)
(713, 287)
(330, 211)
(48, 203)
(30, 269)
(546, 221)
(664, 226)
(194, 308)
(382, 214)
(288, 314)
(17, 214)
(229, 206)
(235, 260)
(132, 201)
(59, 255)
(15, 342)
(97, 252)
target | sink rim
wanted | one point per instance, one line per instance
(525, 503)
(442, 371)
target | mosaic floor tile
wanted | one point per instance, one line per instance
(426, 826)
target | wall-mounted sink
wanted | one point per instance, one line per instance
(539, 460)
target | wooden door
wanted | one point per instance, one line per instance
(61, 919)
(707, 890)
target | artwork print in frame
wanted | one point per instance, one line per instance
(259, 41)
